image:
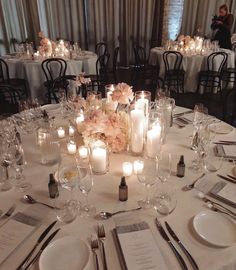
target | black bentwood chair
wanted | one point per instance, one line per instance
(9, 98)
(174, 74)
(19, 84)
(101, 48)
(99, 80)
(115, 63)
(212, 77)
(53, 68)
(229, 74)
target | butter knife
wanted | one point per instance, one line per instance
(45, 244)
(40, 239)
(173, 248)
(188, 255)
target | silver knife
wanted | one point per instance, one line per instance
(188, 255)
(41, 249)
(40, 239)
(173, 248)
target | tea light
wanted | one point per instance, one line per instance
(138, 166)
(71, 131)
(99, 160)
(79, 119)
(83, 152)
(127, 168)
(61, 132)
(71, 147)
(153, 142)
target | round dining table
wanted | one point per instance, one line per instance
(104, 195)
(32, 72)
(192, 65)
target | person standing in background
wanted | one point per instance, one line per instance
(223, 24)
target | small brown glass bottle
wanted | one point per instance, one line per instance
(123, 190)
(52, 187)
(181, 167)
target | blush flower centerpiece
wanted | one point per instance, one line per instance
(110, 126)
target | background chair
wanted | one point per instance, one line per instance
(53, 68)
(101, 48)
(18, 84)
(9, 98)
(174, 74)
(212, 77)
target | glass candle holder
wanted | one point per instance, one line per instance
(127, 168)
(83, 152)
(61, 133)
(143, 101)
(94, 99)
(79, 118)
(71, 147)
(109, 89)
(71, 131)
(153, 140)
(99, 157)
(137, 122)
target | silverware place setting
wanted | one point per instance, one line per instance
(191, 186)
(102, 237)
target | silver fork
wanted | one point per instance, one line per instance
(94, 247)
(102, 237)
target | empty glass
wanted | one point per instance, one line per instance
(147, 177)
(212, 162)
(164, 166)
(164, 199)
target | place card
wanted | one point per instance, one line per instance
(138, 248)
(224, 192)
(230, 150)
(16, 230)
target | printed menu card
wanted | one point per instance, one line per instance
(138, 248)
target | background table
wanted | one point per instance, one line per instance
(32, 72)
(104, 195)
(192, 65)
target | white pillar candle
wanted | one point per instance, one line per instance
(61, 132)
(99, 160)
(79, 119)
(127, 168)
(137, 120)
(71, 131)
(83, 152)
(138, 166)
(142, 103)
(71, 147)
(153, 142)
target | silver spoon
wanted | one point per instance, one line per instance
(191, 186)
(31, 200)
(106, 215)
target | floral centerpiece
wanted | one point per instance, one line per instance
(46, 45)
(107, 124)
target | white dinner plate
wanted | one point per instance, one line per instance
(65, 253)
(221, 128)
(51, 107)
(215, 228)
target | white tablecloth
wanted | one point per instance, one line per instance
(104, 196)
(192, 65)
(32, 72)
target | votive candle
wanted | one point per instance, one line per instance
(83, 152)
(61, 132)
(127, 168)
(138, 166)
(71, 147)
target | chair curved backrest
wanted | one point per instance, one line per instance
(115, 58)
(139, 56)
(4, 72)
(60, 66)
(101, 48)
(216, 61)
(173, 60)
(9, 94)
(102, 65)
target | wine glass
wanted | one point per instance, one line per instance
(5, 183)
(66, 204)
(19, 163)
(164, 198)
(147, 177)
(85, 185)
(164, 166)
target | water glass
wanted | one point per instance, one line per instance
(164, 166)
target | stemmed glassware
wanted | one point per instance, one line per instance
(85, 185)
(147, 177)
(164, 166)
